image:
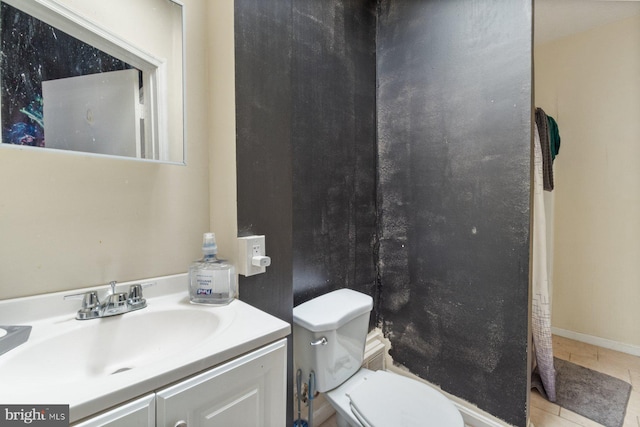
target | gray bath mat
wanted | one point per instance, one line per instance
(597, 396)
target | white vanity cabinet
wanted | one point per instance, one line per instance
(248, 391)
(168, 362)
(139, 413)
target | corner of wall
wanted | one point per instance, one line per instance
(222, 126)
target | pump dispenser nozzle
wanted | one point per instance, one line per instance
(209, 246)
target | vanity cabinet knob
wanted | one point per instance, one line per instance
(181, 423)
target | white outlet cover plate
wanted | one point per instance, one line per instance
(247, 250)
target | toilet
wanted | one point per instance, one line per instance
(329, 335)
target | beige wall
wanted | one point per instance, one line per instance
(222, 126)
(69, 221)
(591, 84)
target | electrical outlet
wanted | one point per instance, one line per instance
(251, 255)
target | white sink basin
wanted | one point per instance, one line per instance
(93, 365)
(84, 350)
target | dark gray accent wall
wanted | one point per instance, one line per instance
(454, 132)
(263, 153)
(416, 193)
(263, 146)
(306, 142)
(306, 153)
(334, 147)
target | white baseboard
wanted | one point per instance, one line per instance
(600, 342)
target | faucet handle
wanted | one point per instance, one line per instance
(90, 305)
(135, 295)
(136, 299)
(89, 299)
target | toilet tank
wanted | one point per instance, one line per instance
(340, 317)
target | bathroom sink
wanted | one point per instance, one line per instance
(84, 350)
(92, 365)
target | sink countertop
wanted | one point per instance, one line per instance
(243, 328)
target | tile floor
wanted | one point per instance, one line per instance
(619, 365)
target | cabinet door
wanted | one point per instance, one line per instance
(248, 391)
(138, 413)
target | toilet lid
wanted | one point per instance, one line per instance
(385, 399)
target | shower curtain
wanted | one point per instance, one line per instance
(541, 309)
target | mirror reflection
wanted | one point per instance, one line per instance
(69, 83)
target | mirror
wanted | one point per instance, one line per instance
(85, 76)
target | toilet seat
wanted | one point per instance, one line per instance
(385, 399)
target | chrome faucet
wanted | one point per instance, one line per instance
(115, 303)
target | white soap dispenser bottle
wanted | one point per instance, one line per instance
(211, 280)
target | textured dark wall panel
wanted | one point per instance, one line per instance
(305, 100)
(454, 136)
(334, 146)
(263, 115)
(305, 93)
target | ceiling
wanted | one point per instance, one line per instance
(554, 19)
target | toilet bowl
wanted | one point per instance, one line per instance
(329, 336)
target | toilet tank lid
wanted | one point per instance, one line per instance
(332, 310)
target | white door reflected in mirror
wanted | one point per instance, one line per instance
(90, 105)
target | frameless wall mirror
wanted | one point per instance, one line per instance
(101, 77)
